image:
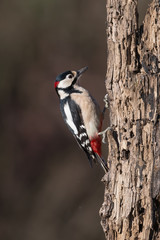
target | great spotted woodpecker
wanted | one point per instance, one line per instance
(81, 114)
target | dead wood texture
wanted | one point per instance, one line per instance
(131, 208)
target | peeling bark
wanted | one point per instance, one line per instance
(131, 208)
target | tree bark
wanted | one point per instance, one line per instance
(131, 208)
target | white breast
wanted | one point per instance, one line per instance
(90, 111)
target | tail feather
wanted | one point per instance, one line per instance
(102, 163)
(91, 157)
(96, 147)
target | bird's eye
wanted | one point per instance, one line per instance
(70, 76)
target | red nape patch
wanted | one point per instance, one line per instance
(56, 84)
(96, 145)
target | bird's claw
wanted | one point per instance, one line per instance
(103, 133)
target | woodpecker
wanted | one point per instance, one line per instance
(81, 113)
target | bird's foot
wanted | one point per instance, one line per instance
(103, 133)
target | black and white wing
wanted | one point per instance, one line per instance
(73, 118)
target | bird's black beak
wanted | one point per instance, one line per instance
(82, 70)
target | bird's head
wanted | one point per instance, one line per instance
(68, 79)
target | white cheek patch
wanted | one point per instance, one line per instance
(65, 83)
(69, 118)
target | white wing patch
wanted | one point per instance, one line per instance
(69, 118)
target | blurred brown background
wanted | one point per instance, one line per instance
(47, 188)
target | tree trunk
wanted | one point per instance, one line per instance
(131, 208)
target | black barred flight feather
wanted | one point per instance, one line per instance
(72, 116)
